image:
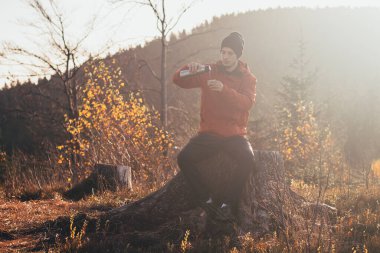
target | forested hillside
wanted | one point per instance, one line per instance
(340, 46)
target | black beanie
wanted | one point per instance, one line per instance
(235, 42)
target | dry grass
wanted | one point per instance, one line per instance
(30, 195)
(17, 216)
(357, 228)
(27, 177)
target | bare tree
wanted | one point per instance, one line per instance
(165, 24)
(55, 53)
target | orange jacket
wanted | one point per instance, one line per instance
(223, 113)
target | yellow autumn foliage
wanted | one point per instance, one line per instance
(114, 126)
(376, 168)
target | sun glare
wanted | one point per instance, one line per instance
(376, 167)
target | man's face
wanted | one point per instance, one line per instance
(228, 57)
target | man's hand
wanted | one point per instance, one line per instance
(215, 85)
(194, 67)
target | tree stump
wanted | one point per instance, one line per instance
(104, 177)
(267, 204)
(165, 215)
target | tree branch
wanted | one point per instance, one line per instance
(143, 63)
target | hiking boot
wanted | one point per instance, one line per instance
(225, 213)
(218, 213)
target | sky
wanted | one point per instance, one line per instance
(124, 25)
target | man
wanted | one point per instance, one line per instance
(228, 92)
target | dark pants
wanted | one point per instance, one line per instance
(203, 146)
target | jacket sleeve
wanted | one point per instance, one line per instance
(243, 99)
(187, 82)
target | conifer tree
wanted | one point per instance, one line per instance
(310, 150)
(297, 129)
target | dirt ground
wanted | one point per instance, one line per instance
(16, 217)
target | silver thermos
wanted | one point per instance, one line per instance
(202, 69)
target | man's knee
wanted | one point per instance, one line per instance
(183, 158)
(247, 161)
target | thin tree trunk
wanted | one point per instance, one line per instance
(164, 95)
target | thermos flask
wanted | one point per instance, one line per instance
(202, 69)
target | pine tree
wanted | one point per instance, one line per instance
(297, 129)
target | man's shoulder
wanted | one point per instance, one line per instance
(246, 71)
